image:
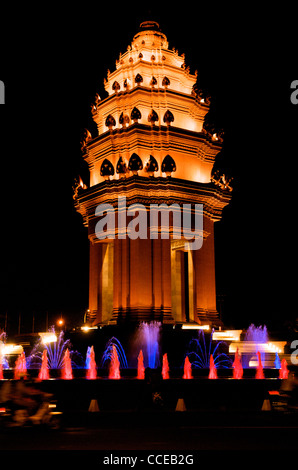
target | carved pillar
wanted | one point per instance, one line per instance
(204, 267)
(94, 280)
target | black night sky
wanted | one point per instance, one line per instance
(54, 62)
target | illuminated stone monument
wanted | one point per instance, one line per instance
(151, 148)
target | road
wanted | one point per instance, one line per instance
(160, 432)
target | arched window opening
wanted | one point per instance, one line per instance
(124, 119)
(151, 166)
(135, 115)
(153, 117)
(121, 168)
(116, 86)
(135, 164)
(106, 169)
(165, 82)
(168, 165)
(138, 79)
(168, 117)
(110, 121)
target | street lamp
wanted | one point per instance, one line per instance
(60, 322)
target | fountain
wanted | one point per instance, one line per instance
(55, 353)
(165, 367)
(237, 366)
(187, 369)
(20, 369)
(87, 361)
(114, 368)
(67, 368)
(256, 336)
(141, 368)
(44, 370)
(283, 371)
(212, 369)
(200, 354)
(277, 362)
(91, 371)
(107, 354)
(259, 373)
(148, 335)
(2, 358)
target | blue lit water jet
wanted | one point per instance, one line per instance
(87, 361)
(108, 353)
(199, 352)
(3, 359)
(55, 353)
(277, 362)
(149, 336)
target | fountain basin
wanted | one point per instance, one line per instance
(199, 394)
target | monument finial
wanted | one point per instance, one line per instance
(149, 25)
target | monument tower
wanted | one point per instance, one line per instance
(151, 148)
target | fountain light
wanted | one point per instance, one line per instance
(48, 337)
(86, 328)
(227, 335)
(250, 346)
(11, 348)
(191, 326)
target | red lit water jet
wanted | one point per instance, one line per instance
(165, 367)
(212, 369)
(259, 373)
(67, 368)
(237, 366)
(44, 370)
(141, 368)
(20, 369)
(92, 371)
(187, 369)
(283, 371)
(114, 370)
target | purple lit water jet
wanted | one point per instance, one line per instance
(256, 335)
(149, 335)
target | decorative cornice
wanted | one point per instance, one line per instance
(166, 138)
(148, 191)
